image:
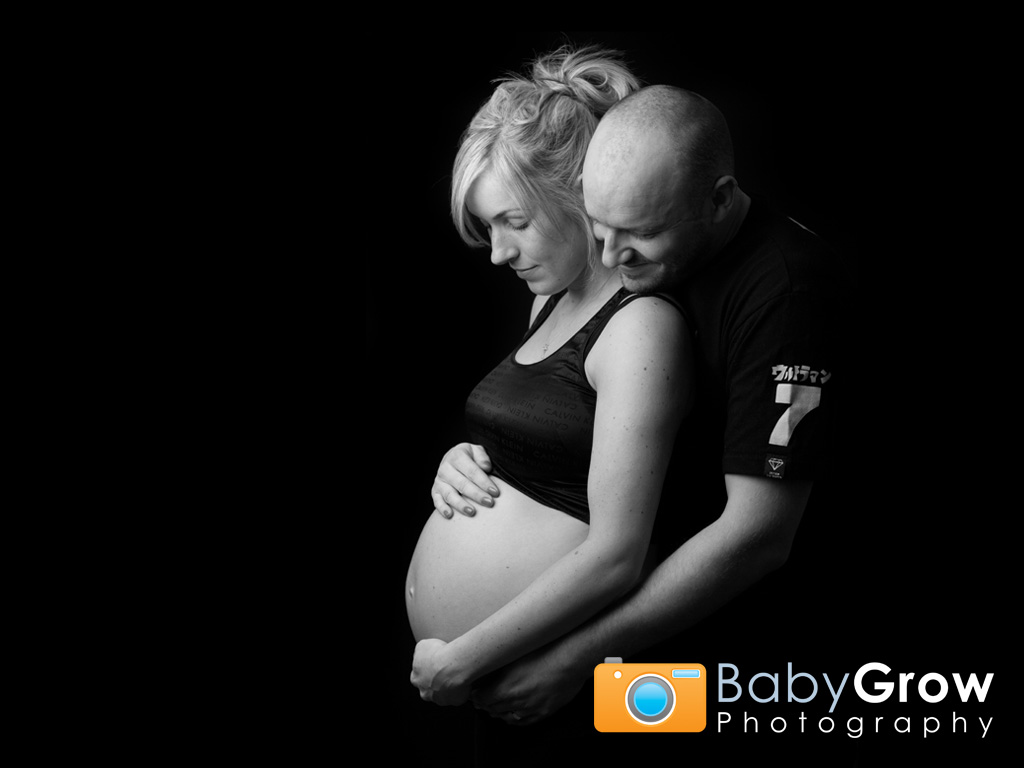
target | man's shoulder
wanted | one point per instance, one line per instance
(783, 252)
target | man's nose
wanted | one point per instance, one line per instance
(615, 251)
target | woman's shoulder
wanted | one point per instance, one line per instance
(643, 329)
(648, 312)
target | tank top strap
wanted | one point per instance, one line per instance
(621, 298)
(546, 310)
(618, 301)
(667, 297)
(675, 303)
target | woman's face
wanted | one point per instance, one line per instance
(518, 239)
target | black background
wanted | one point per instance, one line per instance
(862, 141)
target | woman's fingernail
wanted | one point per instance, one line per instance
(493, 491)
(470, 511)
(489, 502)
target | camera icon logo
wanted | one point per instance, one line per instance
(649, 697)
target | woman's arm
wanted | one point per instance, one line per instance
(640, 368)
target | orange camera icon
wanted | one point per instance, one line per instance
(650, 697)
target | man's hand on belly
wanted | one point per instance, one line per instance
(435, 676)
(533, 687)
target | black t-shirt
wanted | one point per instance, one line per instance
(767, 315)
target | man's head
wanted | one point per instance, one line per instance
(658, 186)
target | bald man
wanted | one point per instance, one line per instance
(760, 293)
(658, 185)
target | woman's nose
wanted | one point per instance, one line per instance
(502, 251)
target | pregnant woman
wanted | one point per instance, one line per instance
(578, 421)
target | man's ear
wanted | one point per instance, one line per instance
(723, 195)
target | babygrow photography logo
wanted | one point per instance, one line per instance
(649, 697)
(673, 697)
(903, 693)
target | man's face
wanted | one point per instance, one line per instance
(651, 228)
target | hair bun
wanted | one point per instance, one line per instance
(595, 77)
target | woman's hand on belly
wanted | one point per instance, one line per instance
(432, 674)
(461, 480)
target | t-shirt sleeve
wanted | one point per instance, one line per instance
(781, 382)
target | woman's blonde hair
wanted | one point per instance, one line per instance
(533, 133)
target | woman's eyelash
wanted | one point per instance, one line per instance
(487, 227)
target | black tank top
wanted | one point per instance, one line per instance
(536, 420)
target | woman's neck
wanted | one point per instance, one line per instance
(599, 282)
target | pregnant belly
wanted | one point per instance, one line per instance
(466, 568)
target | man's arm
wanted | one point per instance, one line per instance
(751, 538)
